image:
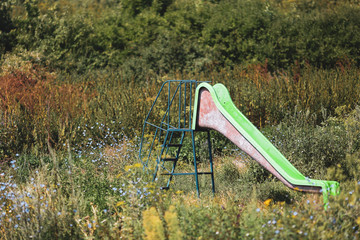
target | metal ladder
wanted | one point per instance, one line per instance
(171, 132)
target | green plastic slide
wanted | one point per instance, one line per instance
(222, 100)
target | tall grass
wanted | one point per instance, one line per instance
(41, 108)
(91, 199)
(92, 186)
(266, 98)
(38, 112)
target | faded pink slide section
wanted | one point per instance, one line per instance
(209, 116)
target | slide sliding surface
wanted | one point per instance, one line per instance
(214, 109)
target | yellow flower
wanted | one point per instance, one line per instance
(129, 167)
(120, 203)
(173, 224)
(267, 202)
(358, 221)
(137, 165)
(153, 227)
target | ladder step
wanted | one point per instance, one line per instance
(179, 130)
(169, 159)
(204, 173)
(174, 145)
(177, 174)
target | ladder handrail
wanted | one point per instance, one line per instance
(169, 128)
(171, 97)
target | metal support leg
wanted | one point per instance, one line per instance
(195, 166)
(211, 163)
(156, 169)
(177, 157)
(170, 178)
(158, 159)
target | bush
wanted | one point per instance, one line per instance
(313, 149)
(7, 37)
(169, 36)
(267, 98)
(39, 120)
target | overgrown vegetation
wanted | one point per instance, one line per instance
(175, 35)
(78, 77)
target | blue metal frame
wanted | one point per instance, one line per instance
(166, 130)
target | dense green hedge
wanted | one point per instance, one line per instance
(165, 35)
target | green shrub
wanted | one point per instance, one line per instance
(168, 36)
(267, 98)
(310, 149)
(7, 40)
(228, 174)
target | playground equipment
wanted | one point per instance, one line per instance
(214, 109)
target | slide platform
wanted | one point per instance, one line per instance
(214, 109)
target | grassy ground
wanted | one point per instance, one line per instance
(99, 191)
(69, 166)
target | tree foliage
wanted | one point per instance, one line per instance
(161, 36)
(6, 27)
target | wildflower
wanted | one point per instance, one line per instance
(267, 202)
(137, 165)
(128, 168)
(152, 224)
(258, 209)
(358, 221)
